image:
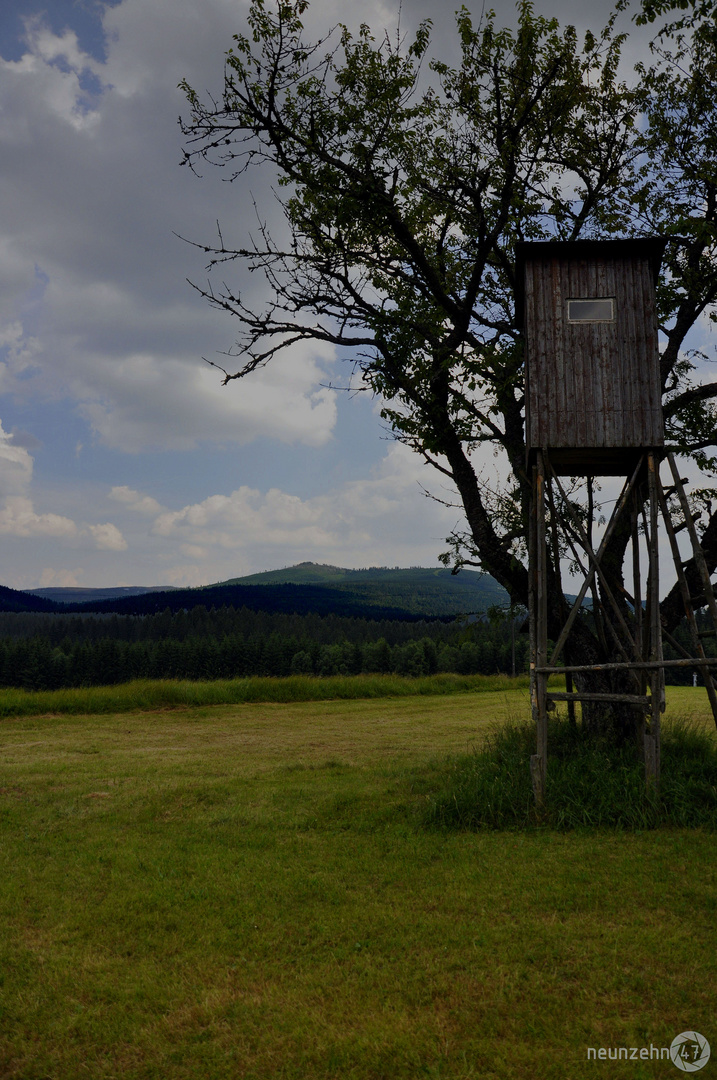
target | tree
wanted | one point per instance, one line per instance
(676, 196)
(405, 185)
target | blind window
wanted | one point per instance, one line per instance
(598, 309)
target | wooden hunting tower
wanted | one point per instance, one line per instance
(587, 308)
(593, 408)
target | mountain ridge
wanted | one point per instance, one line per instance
(418, 589)
(76, 594)
(373, 592)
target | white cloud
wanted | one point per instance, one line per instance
(94, 203)
(108, 537)
(18, 518)
(134, 500)
(55, 64)
(63, 579)
(361, 524)
(193, 551)
(17, 514)
(188, 577)
(159, 402)
(246, 515)
(18, 351)
(15, 466)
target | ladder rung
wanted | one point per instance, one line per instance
(630, 699)
(707, 633)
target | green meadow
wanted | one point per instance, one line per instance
(251, 891)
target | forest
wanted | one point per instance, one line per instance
(48, 651)
(41, 651)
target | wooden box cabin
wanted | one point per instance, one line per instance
(587, 310)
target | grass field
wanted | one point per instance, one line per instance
(247, 892)
(173, 693)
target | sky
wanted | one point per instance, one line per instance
(123, 461)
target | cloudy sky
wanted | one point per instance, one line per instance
(122, 459)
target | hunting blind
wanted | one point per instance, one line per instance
(594, 408)
(593, 365)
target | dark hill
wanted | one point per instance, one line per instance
(420, 590)
(291, 599)
(375, 593)
(78, 595)
(14, 600)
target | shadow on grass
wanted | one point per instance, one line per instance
(590, 783)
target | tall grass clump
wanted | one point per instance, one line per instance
(591, 783)
(153, 694)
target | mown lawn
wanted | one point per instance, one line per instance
(247, 891)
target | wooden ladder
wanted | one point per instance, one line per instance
(691, 603)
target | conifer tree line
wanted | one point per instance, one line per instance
(45, 652)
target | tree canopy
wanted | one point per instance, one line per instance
(405, 184)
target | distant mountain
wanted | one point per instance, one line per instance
(76, 595)
(15, 600)
(419, 590)
(376, 593)
(290, 599)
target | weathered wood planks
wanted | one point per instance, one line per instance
(593, 387)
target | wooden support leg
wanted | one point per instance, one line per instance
(556, 570)
(657, 677)
(538, 630)
(569, 688)
(637, 617)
